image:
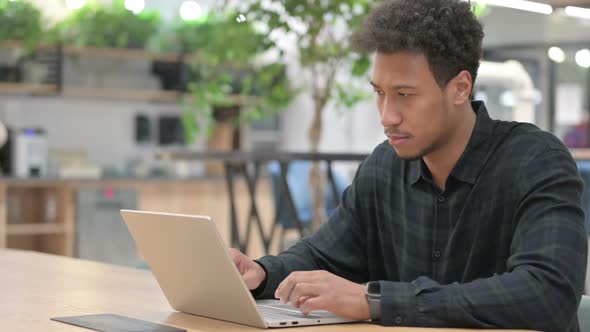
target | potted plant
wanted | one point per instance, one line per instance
(98, 25)
(20, 21)
(321, 30)
(228, 83)
(107, 26)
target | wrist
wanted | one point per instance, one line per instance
(365, 305)
(262, 284)
(261, 274)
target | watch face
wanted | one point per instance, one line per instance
(374, 288)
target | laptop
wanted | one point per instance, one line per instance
(192, 266)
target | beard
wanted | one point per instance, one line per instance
(409, 156)
(412, 157)
(436, 144)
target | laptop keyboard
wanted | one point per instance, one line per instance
(287, 311)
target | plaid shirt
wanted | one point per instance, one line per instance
(504, 246)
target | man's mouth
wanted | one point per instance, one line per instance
(397, 140)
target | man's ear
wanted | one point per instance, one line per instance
(461, 87)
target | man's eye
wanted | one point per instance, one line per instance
(379, 92)
(401, 94)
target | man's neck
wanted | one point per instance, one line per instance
(441, 162)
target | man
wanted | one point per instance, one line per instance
(457, 220)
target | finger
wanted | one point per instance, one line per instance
(283, 293)
(301, 290)
(237, 258)
(285, 287)
(302, 300)
(284, 290)
(311, 304)
(235, 255)
(281, 288)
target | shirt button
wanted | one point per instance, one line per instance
(398, 319)
(441, 199)
(436, 254)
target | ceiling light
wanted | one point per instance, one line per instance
(190, 10)
(75, 4)
(556, 54)
(583, 58)
(578, 12)
(507, 99)
(519, 4)
(136, 6)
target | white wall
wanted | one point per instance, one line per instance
(354, 130)
(104, 129)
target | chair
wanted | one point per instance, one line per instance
(298, 181)
(584, 169)
(584, 314)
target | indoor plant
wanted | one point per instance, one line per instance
(228, 80)
(100, 25)
(321, 30)
(20, 22)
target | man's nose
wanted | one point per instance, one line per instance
(390, 116)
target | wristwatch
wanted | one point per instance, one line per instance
(373, 293)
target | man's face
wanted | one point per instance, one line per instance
(414, 110)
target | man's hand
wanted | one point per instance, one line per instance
(321, 290)
(252, 273)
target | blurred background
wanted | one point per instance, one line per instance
(169, 105)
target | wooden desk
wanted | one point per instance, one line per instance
(35, 287)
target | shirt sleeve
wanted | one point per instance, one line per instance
(339, 246)
(542, 287)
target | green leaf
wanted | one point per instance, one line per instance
(317, 27)
(108, 26)
(346, 96)
(480, 9)
(361, 66)
(21, 21)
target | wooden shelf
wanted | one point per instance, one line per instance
(89, 92)
(20, 44)
(36, 229)
(123, 94)
(161, 96)
(109, 52)
(123, 53)
(27, 89)
(12, 44)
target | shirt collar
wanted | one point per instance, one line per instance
(474, 157)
